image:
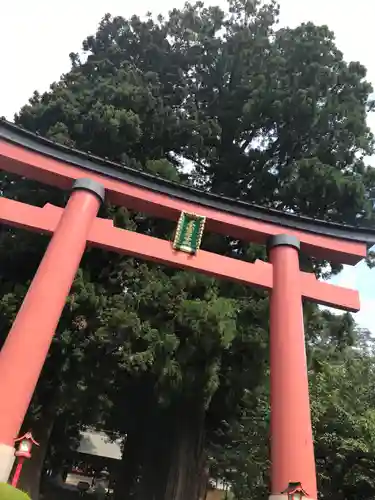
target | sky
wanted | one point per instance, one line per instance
(37, 36)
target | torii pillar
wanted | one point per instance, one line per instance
(25, 349)
(292, 446)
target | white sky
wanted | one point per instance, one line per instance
(37, 36)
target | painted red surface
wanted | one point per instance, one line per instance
(49, 171)
(17, 472)
(104, 235)
(292, 450)
(26, 347)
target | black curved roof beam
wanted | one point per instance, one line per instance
(25, 153)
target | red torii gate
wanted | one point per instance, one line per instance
(92, 180)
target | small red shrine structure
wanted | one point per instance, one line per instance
(93, 180)
(24, 445)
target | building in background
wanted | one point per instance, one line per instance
(97, 460)
(98, 455)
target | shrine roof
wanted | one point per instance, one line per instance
(87, 162)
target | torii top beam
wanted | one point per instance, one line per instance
(29, 155)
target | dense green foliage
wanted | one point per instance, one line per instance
(7, 492)
(344, 418)
(179, 361)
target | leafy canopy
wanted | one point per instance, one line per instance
(7, 492)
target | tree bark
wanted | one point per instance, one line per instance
(164, 458)
(128, 470)
(187, 455)
(154, 460)
(136, 447)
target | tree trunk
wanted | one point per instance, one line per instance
(187, 456)
(128, 469)
(32, 470)
(205, 477)
(154, 460)
(164, 458)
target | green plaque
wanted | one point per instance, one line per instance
(189, 233)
